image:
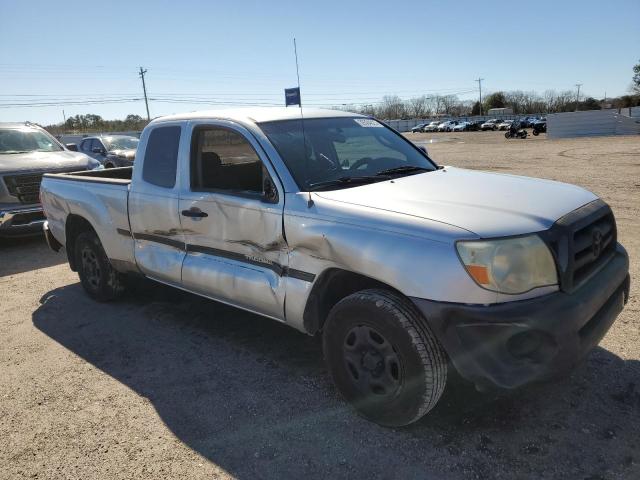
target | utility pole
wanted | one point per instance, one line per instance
(64, 116)
(479, 80)
(578, 95)
(144, 89)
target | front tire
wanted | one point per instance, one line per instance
(97, 276)
(383, 358)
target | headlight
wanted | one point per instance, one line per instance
(511, 265)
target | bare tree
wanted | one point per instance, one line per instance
(418, 107)
(392, 107)
(448, 103)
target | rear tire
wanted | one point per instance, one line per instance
(383, 358)
(97, 276)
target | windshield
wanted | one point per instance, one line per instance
(22, 140)
(341, 148)
(121, 143)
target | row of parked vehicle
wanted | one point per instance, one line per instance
(477, 125)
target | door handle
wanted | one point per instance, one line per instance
(194, 213)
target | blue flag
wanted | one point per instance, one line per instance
(292, 96)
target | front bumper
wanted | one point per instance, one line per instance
(511, 344)
(21, 221)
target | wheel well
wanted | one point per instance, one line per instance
(332, 286)
(74, 226)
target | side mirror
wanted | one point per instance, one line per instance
(72, 146)
(270, 192)
(423, 149)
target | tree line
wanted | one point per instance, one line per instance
(91, 123)
(521, 102)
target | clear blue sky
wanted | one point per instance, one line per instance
(350, 51)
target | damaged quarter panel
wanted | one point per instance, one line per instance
(413, 255)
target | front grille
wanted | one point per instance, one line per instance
(26, 187)
(582, 242)
(591, 245)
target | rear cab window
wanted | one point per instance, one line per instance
(161, 156)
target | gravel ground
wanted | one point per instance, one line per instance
(167, 385)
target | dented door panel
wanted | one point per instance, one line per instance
(237, 252)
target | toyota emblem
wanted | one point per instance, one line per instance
(596, 243)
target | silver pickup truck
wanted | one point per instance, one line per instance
(337, 225)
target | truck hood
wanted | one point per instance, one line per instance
(43, 161)
(484, 203)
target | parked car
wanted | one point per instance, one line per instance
(26, 152)
(460, 127)
(418, 128)
(490, 124)
(474, 125)
(405, 268)
(447, 126)
(505, 124)
(111, 150)
(432, 126)
(527, 122)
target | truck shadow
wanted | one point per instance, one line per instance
(24, 254)
(252, 396)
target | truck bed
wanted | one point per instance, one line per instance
(119, 176)
(98, 196)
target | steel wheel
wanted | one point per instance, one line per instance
(372, 361)
(91, 267)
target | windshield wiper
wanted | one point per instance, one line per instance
(403, 169)
(342, 181)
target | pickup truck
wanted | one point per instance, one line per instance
(26, 152)
(337, 225)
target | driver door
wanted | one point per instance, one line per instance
(231, 207)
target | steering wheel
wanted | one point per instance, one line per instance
(359, 163)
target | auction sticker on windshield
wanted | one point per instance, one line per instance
(366, 122)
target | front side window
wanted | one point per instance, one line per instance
(161, 156)
(345, 150)
(23, 140)
(222, 159)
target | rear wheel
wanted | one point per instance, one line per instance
(383, 358)
(97, 276)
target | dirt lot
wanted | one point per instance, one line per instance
(167, 385)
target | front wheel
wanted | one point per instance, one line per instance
(507, 135)
(536, 133)
(97, 276)
(383, 358)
